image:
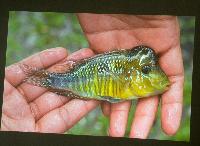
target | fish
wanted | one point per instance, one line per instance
(114, 76)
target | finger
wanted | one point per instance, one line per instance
(9, 88)
(144, 117)
(45, 103)
(31, 92)
(63, 118)
(118, 118)
(105, 107)
(48, 57)
(172, 106)
(81, 54)
(16, 115)
(172, 100)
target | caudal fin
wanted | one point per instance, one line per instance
(36, 76)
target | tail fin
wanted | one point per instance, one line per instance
(36, 76)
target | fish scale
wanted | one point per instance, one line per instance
(93, 80)
(113, 76)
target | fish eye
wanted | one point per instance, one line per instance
(146, 69)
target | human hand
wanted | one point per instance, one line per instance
(34, 109)
(107, 32)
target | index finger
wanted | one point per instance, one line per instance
(15, 75)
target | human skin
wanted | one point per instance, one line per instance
(31, 108)
(106, 32)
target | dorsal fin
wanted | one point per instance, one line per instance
(68, 65)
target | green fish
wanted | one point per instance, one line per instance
(113, 76)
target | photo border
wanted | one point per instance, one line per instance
(164, 7)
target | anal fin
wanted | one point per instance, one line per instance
(65, 92)
(112, 100)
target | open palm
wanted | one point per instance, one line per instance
(108, 32)
(31, 108)
(34, 109)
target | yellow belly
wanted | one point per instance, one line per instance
(109, 87)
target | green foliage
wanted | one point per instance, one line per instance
(33, 32)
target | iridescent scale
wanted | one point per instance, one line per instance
(104, 77)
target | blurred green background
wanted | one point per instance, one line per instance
(31, 32)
